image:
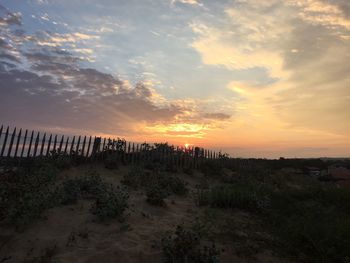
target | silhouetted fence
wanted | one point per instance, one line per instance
(18, 144)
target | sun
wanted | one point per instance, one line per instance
(187, 145)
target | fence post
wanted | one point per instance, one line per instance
(48, 146)
(129, 157)
(77, 148)
(24, 143)
(96, 146)
(83, 149)
(11, 142)
(88, 149)
(72, 146)
(66, 145)
(55, 143)
(2, 127)
(18, 140)
(61, 144)
(133, 153)
(36, 144)
(30, 144)
(5, 141)
(42, 145)
(103, 148)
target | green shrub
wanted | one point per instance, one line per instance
(112, 161)
(91, 184)
(26, 193)
(203, 183)
(212, 168)
(155, 194)
(70, 191)
(234, 196)
(110, 203)
(88, 186)
(188, 170)
(313, 221)
(186, 246)
(135, 178)
(60, 159)
(172, 184)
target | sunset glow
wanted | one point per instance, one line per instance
(251, 78)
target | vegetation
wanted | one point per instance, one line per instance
(27, 192)
(156, 194)
(110, 203)
(304, 218)
(307, 218)
(313, 221)
(186, 245)
(242, 196)
(157, 184)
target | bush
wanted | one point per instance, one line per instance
(212, 168)
(172, 184)
(110, 203)
(112, 161)
(135, 178)
(88, 186)
(70, 191)
(155, 194)
(26, 193)
(153, 180)
(60, 159)
(185, 246)
(315, 222)
(234, 196)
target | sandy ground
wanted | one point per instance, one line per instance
(69, 233)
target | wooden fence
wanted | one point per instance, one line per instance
(19, 143)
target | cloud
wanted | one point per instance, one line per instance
(188, 2)
(9, 18)
(52, 89)
(245, 39)
(306, 53)
(217, 116)
(324, 12)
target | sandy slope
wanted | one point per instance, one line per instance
(69, 233)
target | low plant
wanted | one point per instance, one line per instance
(112, 160)
(212, 168)
(88, 186)
(315, 222)
(135, 178)
(247, 197)
(172, 184)
(186, 245)
(110, 203)
(155, 194)
(158, 184)
(26, 193)
(61, 160)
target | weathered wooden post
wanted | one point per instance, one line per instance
(96, 147)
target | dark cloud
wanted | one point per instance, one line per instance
(8, 57)
(28, 97)
(53, 90)
(217, 116)
(9, 18)
(344, 6)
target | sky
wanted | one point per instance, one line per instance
(253, 78)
